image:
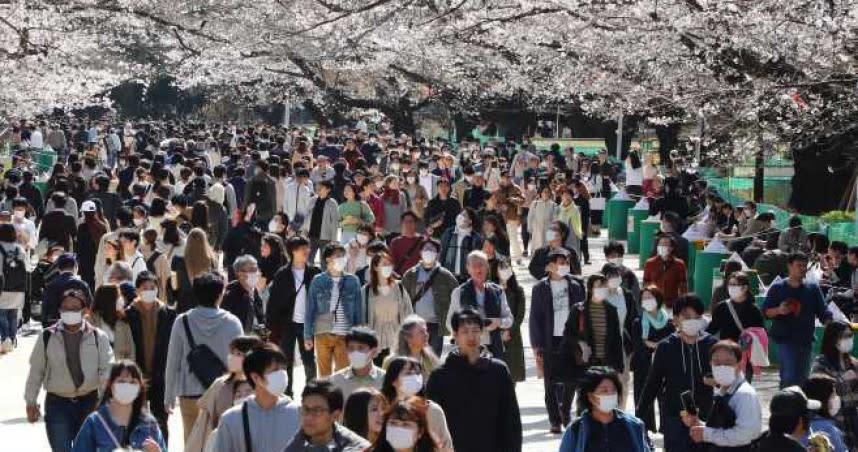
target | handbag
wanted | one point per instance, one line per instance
(202, 361)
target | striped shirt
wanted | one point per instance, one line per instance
(341, 323)
(599, 320)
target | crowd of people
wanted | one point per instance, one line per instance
(177, 268)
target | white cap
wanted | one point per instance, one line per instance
(88, 206)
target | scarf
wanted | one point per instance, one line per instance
(391, 195)
(658, 323)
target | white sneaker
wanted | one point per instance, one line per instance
(7, 345)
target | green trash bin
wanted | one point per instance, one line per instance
(703, 266)
(694, 247)
(617, 214)
(636, 216)
(647, 240)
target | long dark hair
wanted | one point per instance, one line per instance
(373, 270)
(356, 410)
(591, 380)
(635, 159)
(104, 303)
(410, 409)
(591, 281)
(831, 335)
(200, 215)
(394, 368)
(129, 366)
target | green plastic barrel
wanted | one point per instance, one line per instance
(647, 240)
(636, 216)
(618, 224)
(692, 260)
(703, 266)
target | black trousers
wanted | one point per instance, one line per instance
(559, 392)
(436, 341)
(294, 333)
(155, 395)
(525, 236)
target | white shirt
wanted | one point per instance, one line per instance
(634, 176)
(749, 417)
(36, 139)
(560, 297)
(300, 296)
(137, 263)
(428, 183)
(28, 227)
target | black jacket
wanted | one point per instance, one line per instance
(578, 329)
(58, 226)
(540, 260)
(243, 305)
(110, 204)
(29, 191)
(166, 317)
(675, 367)
(281, 301)
(444, 209)
(53, 295)
(480, 403)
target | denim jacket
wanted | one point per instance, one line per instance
(319, 299)
(576, 437)
(94, 437)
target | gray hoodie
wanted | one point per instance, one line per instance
(270, 430)
(213, 327)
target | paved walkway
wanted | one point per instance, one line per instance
(19, 436)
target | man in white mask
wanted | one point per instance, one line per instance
(334, 305)
(736, 418)
(429, 286)
(241, 298)
(59, 363)
(680, 364)
(614, 252)
(362, 346)
(271, 418)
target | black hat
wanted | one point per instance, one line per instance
(557, 252)
(468, 315)
(792, 402)
(66, 259)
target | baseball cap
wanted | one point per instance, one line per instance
(88, 206)
(66, 259)
(791, 401)
(557, 252)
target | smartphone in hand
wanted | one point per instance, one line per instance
(687, 400)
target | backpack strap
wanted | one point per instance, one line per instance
(248, 445)
(188, 334)
(46, 336)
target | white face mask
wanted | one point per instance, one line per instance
(379, 185)
(600, 293)
(428, 256)
(607, 402)
(834, 405)
(358, 359)
(692, 327)
(234, 363)
(276, 382)
(663, 251)
(71, 317)
(148, 296)
(252, 279)
(19, 214)
(410, 179)
(400, 437)
(120, 304)
(724, 375)
(844, 345)
(362, 239)
(462, 221)
(339, 264)
(649, 304)
(614, 283)
(394, 167)
(139, 222)
(531, 187)
(275, 227)
(424, 173)
(504, 273)
(385, 271)
(618, 261)
(563, 270)
(125, 393)
(411, 384)
(735, 292)
(550, 235)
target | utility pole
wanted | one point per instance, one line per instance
(759, 168)
(287, 114)
(620, 136)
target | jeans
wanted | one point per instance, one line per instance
(347, 236)
(436, 341)
(318, 245)
(8, 324)
(331, 347)
(794, 364)
(292, 333)
(63, 418)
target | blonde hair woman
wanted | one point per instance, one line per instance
(198, 259)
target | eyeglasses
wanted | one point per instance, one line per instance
(313, 411)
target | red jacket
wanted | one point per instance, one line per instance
(669, 276)
(405, 252)
(377, 206)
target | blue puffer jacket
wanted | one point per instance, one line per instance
(94, 437)
(578, 433)
(319, 299)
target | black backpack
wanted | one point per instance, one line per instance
(14, 274)
(202, 360)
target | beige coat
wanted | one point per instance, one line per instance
(49, 368)
(217, 399)
(123, 341)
